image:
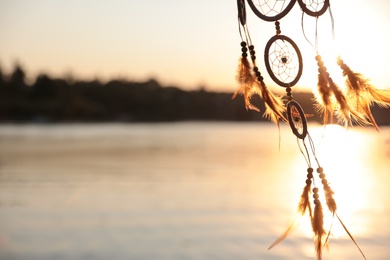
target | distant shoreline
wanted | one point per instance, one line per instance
(50, 100)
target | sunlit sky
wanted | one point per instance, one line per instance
(184, 43)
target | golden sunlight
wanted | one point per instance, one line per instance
(360, 42)
(342, 154)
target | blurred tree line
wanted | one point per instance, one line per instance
(60, 100)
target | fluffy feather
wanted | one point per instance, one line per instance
(274, 107)
(332, 100)
(249, 86)
(245, 80)
(362, 94)
(304, 203)
(324, 104)
(283, 236)
(318, 229)
(343, 112)
(330, 202)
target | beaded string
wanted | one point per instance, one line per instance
(277, 27)
(256, 70)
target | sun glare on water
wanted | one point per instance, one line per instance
(342, 154)
(354, 162)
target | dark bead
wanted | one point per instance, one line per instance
(308, 182)
(244, 55)
(243, 44)
(320, 170)
(288, 89)
(309, 170)
(277, 27)
(289, 94)
(260, 78)
(258, 74)
(322, 175)
(244, 49)
(277, 23)
(251, 47)
(253, 57)
(278, 31)
(315, 190)
(255, 68)
(252, 52)
(309, 175)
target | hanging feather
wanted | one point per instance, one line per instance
(334, 100)
(274, 107)
(319, 232)
(362, 94)
(245, 80)
(381, 97)
(318, 224)
(304, 204)
(252, 83)
(324, 103)
(344, 112)
(332, 206)
(284, 235)
(330, 201)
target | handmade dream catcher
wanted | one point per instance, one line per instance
(283, 61)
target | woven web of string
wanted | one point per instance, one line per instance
(271, 7)
(283, 60)
(314, 5)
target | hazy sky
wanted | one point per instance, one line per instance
(184, 43)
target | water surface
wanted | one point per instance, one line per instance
(185, 191)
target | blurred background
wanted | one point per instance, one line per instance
(119, 138)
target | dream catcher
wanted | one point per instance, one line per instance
(283, 62)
